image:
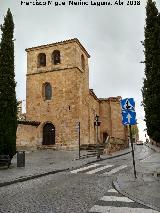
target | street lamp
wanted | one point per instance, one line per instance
(97, 124)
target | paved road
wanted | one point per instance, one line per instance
(114, 202)
(85, 189)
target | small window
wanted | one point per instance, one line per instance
(41, 60)
(56, 58)
(83, 62)
(47, 91)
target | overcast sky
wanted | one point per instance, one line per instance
(111, 35)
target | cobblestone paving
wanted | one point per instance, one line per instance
(58, 193)
(46, 161)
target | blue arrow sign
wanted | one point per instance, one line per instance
(129, 117)
(128, 104)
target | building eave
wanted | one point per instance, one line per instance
(59, 43)
(32, 123)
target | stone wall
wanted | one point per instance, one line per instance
(110, 115)
(118, 129)
(116, 144)
(27, 137)
(105, 117)
(93, 109)
(62, 110)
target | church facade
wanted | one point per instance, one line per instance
(58, 98)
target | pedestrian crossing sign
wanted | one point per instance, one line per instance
(128, 104)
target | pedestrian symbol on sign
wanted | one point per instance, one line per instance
(128, 104)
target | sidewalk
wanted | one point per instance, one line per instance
(145, 189)
(155, 148)
(43, 162)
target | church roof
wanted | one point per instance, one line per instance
(113, 99)
(59, 43)
(32, 123)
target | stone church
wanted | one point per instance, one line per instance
(58, 98)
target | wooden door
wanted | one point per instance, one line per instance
(48, 134)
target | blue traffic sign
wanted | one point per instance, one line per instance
(128, 104)
(129, 117)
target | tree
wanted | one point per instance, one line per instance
(8, 102)
(135, 131)
(151, 86)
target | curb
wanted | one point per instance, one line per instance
(117, 187)
(102, 159)
(31, 177)
(154, 149)
(149, 146)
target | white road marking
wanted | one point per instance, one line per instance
(98, 169)
(115, 170)
(115, 198)
(112, 209)
(84, 168)
(112, 190)
(146, 158)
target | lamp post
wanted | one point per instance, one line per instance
(97, 124)
(79, 139)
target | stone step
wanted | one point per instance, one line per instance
(92, 146)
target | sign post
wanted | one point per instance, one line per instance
(129, 118)
(131, 139)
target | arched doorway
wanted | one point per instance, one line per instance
(48, 134)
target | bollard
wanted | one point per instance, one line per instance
(21, 159)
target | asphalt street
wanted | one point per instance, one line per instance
(85, 189)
